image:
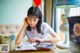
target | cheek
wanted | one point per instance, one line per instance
(28, 22)
(36, 22)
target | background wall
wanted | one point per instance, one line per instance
(13, 11)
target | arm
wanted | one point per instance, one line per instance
(54, 38)
(20, 35)
(51, 40)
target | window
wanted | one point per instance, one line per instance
(62, 12)
(75, 11)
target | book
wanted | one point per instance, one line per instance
(33, 46)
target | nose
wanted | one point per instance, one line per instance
(32, 21)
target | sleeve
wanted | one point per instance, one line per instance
(49, 29)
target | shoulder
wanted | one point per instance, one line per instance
(44, 24)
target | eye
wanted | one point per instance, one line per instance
(34, 19)
(29, 19)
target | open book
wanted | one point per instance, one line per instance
(33, 46)
(26, 46)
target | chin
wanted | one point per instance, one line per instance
(31, 26)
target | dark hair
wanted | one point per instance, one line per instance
(35, 11)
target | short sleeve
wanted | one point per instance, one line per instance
(49, 29)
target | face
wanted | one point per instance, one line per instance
(33, 20)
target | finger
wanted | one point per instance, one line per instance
(32, 40)
(36, 39)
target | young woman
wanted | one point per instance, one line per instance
(35, 29)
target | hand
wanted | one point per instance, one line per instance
(36, 40)
(25, 22)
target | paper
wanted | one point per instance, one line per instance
(26, 46)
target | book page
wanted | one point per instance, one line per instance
(26, 46)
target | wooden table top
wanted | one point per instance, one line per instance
(34, 51)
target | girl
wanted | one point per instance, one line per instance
(35, 29)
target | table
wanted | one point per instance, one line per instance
(53, 50)
(33, 51)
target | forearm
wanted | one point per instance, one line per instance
(51, 40)
(55, 38)
(20, 35)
